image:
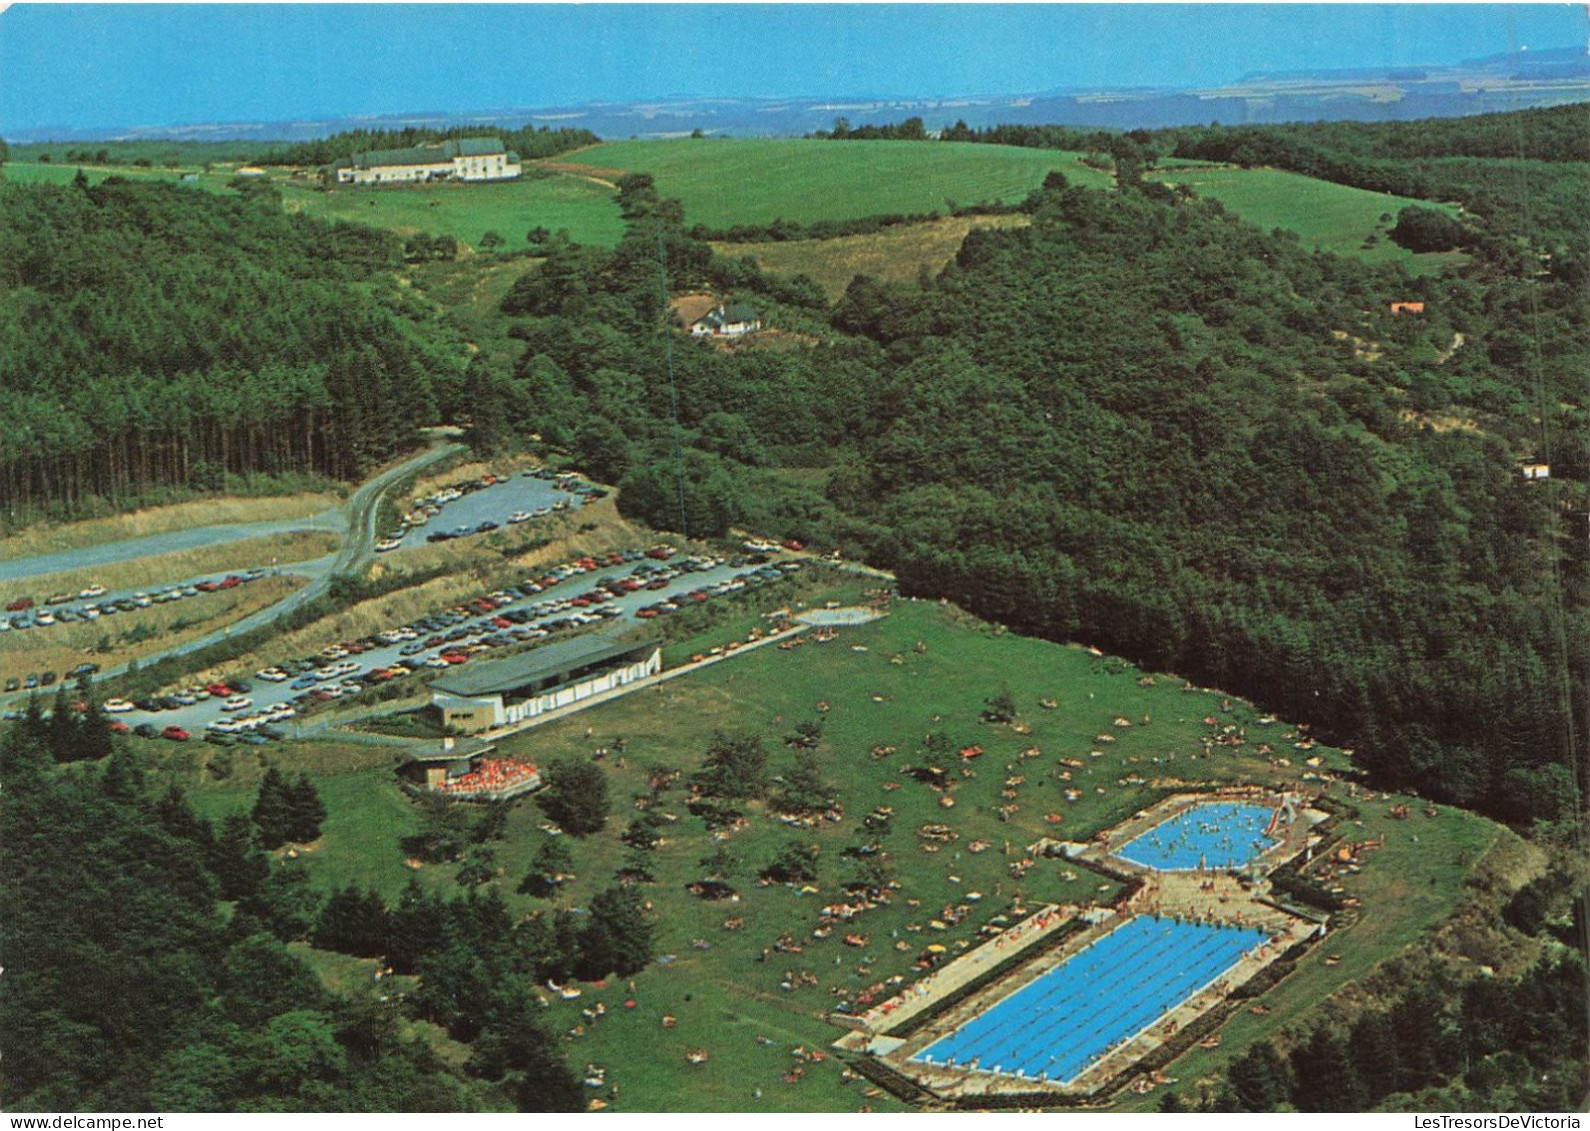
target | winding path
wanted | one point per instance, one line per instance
(355, 519)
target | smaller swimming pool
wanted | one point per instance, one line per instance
(1211, 834)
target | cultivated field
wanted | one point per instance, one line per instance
(1327, 216)
(926, 669)
(725, 182)
(468, 212)
(894, 255)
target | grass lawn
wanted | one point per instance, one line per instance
(724, 182)
(926, 669)
(894, 255)
(1327, 216)
(510, 209)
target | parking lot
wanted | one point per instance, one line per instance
(470, 508)
(562, 599)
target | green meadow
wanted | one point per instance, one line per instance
(726, 181)
(927, 669)
(1327, 216)
(511, 209)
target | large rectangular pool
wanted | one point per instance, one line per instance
(1211, 834)
(1099, 997)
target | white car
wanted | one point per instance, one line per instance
(519, 516)
(237, 703)
(117, 706)
(92, 591)
(283, 711)
(44, 617)
(387, 545)
(223, 726)
(271, 675)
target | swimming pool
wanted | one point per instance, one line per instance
(1107, 993)
(1211, 834)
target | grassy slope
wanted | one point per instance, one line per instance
(894, 255)
(724, 182)
(723, 996)
(1328, 216)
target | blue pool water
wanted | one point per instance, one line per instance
(1107, 993)
(1214, 834)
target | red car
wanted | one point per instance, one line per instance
(174, 733)
(19, 604)
(792, 544)
(119, 727)
(207, 586)
(455, 657)
(219, 688)
(231, 581)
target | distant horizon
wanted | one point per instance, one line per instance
(81, 67)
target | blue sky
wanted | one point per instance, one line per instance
(82, 66)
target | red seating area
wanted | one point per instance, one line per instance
(490, 775)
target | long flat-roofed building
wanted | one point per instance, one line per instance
(502, 692)
(460, 159)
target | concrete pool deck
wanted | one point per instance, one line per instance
(1213, 897)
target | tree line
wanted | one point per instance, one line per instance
(158, 337)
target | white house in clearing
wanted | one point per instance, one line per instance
(727, 322)
(461, 159)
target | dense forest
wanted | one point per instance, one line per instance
(1145, 424)
(528, 142)
(152, 335)
(139, 989)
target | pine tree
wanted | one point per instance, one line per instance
(417, 928)
(352, 923)
(96, 738)
(552, 865)
(1326, 1077)
(617, 938)
(273, 810)
(1375, 1055)
(123, 777)
(240, 866)
(306, 812)
(63, 731)
(176, 816)
(1260, 1078)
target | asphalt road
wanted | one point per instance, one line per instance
(20, 569)
(358, 518)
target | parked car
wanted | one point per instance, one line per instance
(175, 733)
(19, 604)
